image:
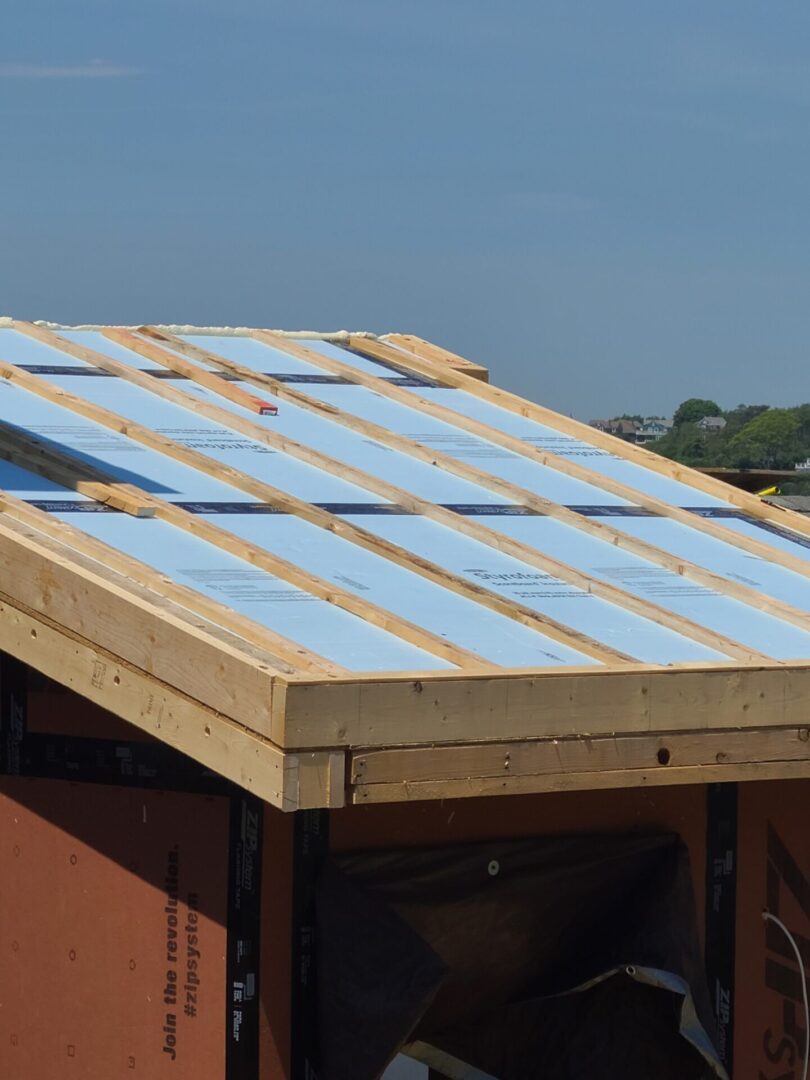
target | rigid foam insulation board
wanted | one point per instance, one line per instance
(478, 562)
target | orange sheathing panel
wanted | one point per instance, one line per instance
(53, 710)
(773, 840)
(86, 946)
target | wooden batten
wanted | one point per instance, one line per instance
(377, 349)
(476, 530)
(441, 357)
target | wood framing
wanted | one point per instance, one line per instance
(443, 357)
(290, 782)
(303, 727)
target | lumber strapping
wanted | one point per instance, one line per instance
(584, 432)
(443, 357)
(725, 585)
(407, 711)
(387, 549)
(378, 350)
(474, 529)
(587, 781)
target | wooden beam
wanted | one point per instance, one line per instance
(286, 656)
(59, 466)
(576, 429)
(553, 757)
(441, 357)
(586, 781)
(204, 378)
(473, 528)
(321, 518)
(149, 632)
(494, 709)
(289, 782)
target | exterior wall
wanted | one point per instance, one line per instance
(773, 873)
(75, 1003)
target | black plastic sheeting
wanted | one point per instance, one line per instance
(564, 958)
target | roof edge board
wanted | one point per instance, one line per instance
(402, 712)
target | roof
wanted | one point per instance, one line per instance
(330, 563)
(799, 503)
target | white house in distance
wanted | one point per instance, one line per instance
(711, 424)
(653, 429)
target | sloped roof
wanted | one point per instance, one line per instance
(341, 542)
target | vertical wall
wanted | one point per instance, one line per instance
(773, 872)
(129, 907)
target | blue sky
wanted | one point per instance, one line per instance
(607, 203)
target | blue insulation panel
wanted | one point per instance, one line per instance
(564, 551)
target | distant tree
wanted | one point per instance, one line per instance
(736, 419)
(687, 444)
(694, 409)
(769, 441)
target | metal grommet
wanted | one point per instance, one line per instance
(630, 970)
(494, 868)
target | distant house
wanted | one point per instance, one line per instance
(653, 428)
(649, 430)
(623, 429)
(711, 424)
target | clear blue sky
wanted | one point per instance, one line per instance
(606, 202)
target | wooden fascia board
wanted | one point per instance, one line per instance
(408, 711)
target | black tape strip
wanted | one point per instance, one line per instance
(244, 921)
(402, 370)
(153, 766)
(311, 846)
(305, 378)
(721, 911)
(13, 713)
(68, 506)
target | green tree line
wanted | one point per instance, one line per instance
(755, 436)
